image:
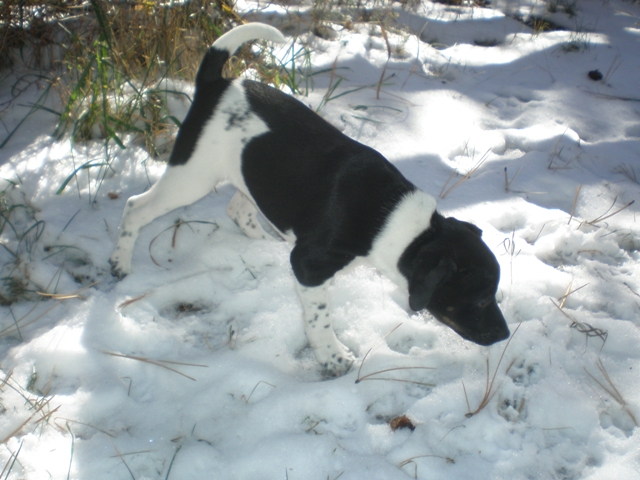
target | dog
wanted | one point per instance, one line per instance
(335, 198)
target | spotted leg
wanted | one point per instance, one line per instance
(335, 358)
(242, 211)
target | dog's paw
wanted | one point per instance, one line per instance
(118, 270)
(338, 363)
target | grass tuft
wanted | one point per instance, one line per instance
(113, 65)
(21, 232)
(628, 171)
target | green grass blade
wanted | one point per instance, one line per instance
(84, 166)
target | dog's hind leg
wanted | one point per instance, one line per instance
(179, 186)
(336, 359)
(242, 211)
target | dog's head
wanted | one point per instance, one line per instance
(453, 274)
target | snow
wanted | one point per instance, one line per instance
(91, 390)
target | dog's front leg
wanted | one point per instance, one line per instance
(336, 359)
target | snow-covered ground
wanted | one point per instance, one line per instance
(92, 390)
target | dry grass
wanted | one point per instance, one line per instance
(569, 292)
(248, 399)
(166, 364)
(444, 192)
(628, 171)
(109, 62)
(575, 202)
(114, 66)
(489, 392)
(26, 320)
(32, 410)
(608, 214)
(373, 375)
(611, 389)
(508, 181)
(582, 327)
(600, 218)
(509, 245)
(129, 301)
(412, 460)
(140, 35)
(174, 237)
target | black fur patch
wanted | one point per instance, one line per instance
(306, 176)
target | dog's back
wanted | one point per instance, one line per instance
(308, 177)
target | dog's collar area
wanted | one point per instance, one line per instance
(406, 260)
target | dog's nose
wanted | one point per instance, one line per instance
(493, 336)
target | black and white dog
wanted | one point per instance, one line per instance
(334, 197)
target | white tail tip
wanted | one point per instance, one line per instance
(232, 40)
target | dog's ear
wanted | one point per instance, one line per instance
(423, 282)
(472, 227)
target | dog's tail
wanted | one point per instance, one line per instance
(227, 44)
